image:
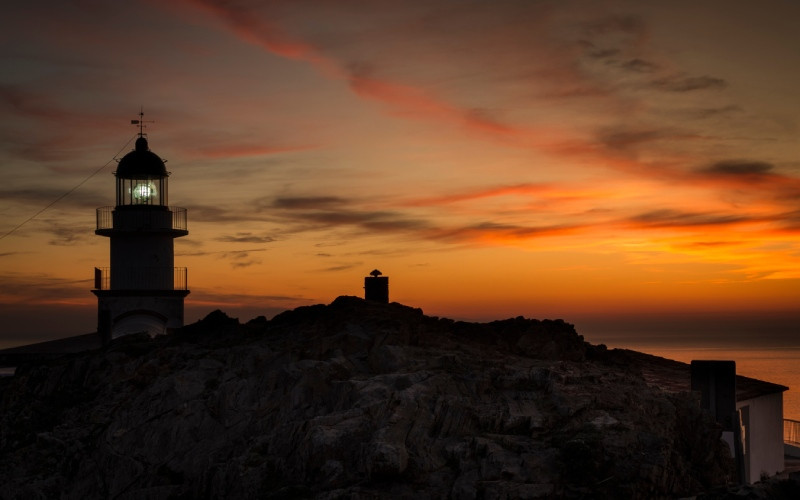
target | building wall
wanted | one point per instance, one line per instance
(142, 249)
(376, 288)
(130, 314)
(765, 435)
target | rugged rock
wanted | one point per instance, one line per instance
(782, 487)
(352, 400)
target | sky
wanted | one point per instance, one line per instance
(631, 167)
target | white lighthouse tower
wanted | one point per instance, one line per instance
(142, 290)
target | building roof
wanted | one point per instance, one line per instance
(141, 163)
(674, 376)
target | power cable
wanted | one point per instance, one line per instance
(70, 191)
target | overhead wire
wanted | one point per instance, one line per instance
(70, 191)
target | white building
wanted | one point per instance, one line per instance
(142, 290)
(760, 408)
(753, 407)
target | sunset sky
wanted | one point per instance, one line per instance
(631, 167)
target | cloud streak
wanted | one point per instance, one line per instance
(253, 28)
(738, 168)
(237, 259)
(247, 150)
(676, 218)
(245, 237)
(43, 288)
(314, 212)
(680, 83)
(514, 190)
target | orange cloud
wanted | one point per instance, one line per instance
(622, 149)
(518, 190)
(498, 234)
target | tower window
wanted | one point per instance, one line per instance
(143, 193)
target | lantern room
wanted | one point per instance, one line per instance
(141, 178)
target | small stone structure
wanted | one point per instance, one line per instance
(376, 287)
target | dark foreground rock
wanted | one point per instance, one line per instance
(352, 400)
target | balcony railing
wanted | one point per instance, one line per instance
(791, 432)
(141, 278)
(141, 219)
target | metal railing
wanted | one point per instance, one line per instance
(791, 432)
(141, 278)
(104, 218)
(142, 219)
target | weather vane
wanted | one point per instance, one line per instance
(141, 122)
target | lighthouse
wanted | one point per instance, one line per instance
(142, 290)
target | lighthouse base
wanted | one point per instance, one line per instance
(125, 312)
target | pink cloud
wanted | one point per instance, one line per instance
(400, 99)
(255, 30)
(28, 103)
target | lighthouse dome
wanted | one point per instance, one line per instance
(141, 163)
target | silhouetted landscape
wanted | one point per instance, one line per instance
(631, 167)
(359, 399)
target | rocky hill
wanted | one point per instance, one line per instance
(352, 400)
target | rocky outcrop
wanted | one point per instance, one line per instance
(352, 400)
